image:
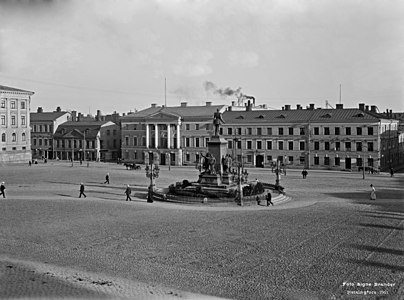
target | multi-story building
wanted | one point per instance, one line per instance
(14, 124)
(87, 141)
(43, 127)
(168, 135)
(311, 138)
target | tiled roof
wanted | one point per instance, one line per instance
(10, 89)
(296, 116)
(46, 116)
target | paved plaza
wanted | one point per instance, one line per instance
(329, 241)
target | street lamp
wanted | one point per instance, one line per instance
(152, 172)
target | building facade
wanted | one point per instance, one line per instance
(168, 135)
(87, 141)
(15, 125)
(43, 127)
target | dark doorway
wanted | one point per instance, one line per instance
(348, 163)
(163, 159)
(259, 161)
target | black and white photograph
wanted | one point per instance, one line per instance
(202, 149)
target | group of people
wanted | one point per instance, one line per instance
(128, 190)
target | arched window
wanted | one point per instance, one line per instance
(23, 138)
(3, 137)
(14, 137)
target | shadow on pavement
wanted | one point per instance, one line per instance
(376, 249)
(376, 264)
(380, 226)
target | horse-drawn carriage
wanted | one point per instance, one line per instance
(131, 166)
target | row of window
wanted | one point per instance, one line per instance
(301, 130)
(13, 103)
(42, 128)
(13, 119)
(13, 137)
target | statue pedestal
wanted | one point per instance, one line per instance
(209, 179)
(217, 146)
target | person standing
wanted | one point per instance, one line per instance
(3, 190)
(372, 193)
(128, 191)
(82, 190)
(107, 178)
(269, 199)
(391, 172)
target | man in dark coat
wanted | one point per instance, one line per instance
(82, 190)
(128, 191)
(269, 199)
(3, 190)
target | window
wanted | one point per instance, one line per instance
(249, 144)
(326, 161)
(22, 120)
(326, 130)
(337, 131)
(13, 120)
(230, 144)
(188, 157)
(326, 145)
(370, 146)
(316, 130)
(348, 130)
(269, 145)
(113, 131)
(135, 141)
(259, 144)
(302, 160)
(23, 137)
(46, 142)
(301, 146)
(126, 141)
(337, 161)
(22, 104)
(359, 146)
(316, 160)
(3, 103)
(290, 130)
(3, 137)
(290, 144)
(249, 131)
(358, 130)
(337, 146)
(259, 131)
(3, 120)
(348, 146)
(280, 131)
(239, 144)
(187, 142)
(269, 131)
(108, 132)
(197, 142)
(12, 104)
(34, 142)
(14, 137)
(316, 145)
(280, 145)
(229, 131)
(196, 126)
(239, 131)
(187, 126)
(302, 131)
(370, 130)
(269, 158)
(249, 158)
(290, 159)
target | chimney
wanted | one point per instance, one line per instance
(367, 107)
(362, 106)
(98, 116)
(58, 109)
(153, 105)
(39, 110)
(74, 115)
(209, 103)
(311, 105)
(183, 104)
(283, 107)
(229, 108)
(298, 106)
(339, 106)
(373, 108)
(248, 108)
(391, 113)
(287, 107)
(79, 117)
(233, 103)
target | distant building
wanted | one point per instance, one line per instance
(43, 127)
(87, 140)
(168, 135)
(14, 127)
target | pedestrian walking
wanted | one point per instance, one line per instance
(3, 190)
(372, 193)
(107, 178)
(269, 199)
(82, 190)
(128, 191)
(29, 163)
(304, 173)
(391, 172)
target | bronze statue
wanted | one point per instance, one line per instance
(217, 119)
(208, 164)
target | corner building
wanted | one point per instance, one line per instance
(15, 125)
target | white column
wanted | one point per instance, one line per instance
(168, 136)
(147, 135)
(156, 137)
(178, 137)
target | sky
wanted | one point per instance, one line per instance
(123, 55)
